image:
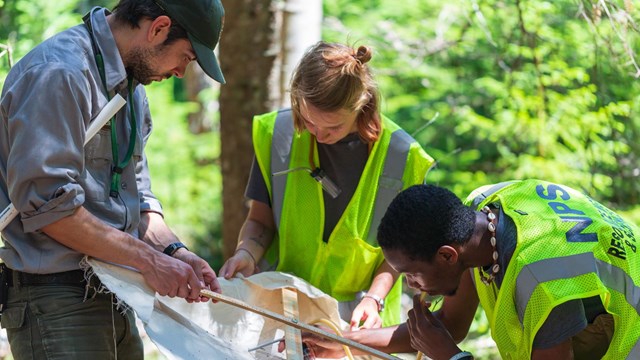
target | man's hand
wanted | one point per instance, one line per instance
(428, 335)
(367, 312)
(195, 275)
(203, 271)
(320, 347)
(171, 277)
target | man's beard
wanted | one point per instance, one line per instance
(139, 64)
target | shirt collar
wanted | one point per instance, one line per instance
(115, 73)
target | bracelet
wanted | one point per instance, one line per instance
(377, 299)
(172, 248)
(250, 254)
(462, 355)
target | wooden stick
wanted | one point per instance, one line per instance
(297, 324)
(293, 336)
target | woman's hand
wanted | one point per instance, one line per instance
(241, 262)
(366, 313)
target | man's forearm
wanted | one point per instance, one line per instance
(86, 234)
(390, 340)
(155, 232)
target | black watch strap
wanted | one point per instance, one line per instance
(172, 248)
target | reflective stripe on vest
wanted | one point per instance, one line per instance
(572, 266)
(280, 156)
(635, 351)
(390, 182)
(549, 267)
(486, 193)
(569, 267)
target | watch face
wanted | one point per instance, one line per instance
(172, 248)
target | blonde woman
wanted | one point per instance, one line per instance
(324, 172)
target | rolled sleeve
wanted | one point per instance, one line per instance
(46, 150)
(64, 204)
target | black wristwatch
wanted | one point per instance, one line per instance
(172, 248)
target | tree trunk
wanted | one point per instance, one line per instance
(257, 67)
(246, 37)
(298, 26)
(195, 81)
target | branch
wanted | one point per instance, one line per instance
(622, 38)
(424, 126)
(7, 50)
(482, 22)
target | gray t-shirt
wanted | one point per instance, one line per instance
(566, 319)
(343, 162)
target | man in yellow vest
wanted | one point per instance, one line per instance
(557, 273)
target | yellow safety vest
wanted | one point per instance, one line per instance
(347, 263)
(568, 247)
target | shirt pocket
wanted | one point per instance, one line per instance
(98, 162)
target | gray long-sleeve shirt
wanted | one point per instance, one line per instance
(48, 101)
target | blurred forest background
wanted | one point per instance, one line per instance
(494, 90)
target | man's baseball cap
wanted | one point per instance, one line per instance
(203, 20)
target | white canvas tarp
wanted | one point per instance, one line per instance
(217, 331)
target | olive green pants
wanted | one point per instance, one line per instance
(57, 322)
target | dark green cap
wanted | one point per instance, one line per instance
(203, 21)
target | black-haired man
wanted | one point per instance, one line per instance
(556, 272)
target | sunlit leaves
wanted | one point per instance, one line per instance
(529, 88)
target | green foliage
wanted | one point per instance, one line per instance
(524, 89)
(515, 89)
(184, 176)
(24, 24)
(519, 89)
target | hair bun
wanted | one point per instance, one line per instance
(363, 54)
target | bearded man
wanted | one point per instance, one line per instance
(96, 200)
